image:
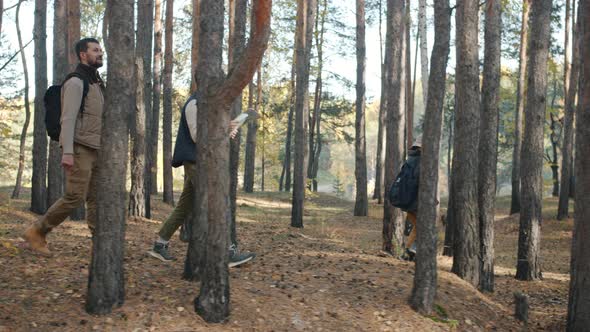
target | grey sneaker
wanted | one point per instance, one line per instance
(238, 258)
(160, 251)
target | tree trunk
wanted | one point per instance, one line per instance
(218, 95)
(137, 194)
(314, 124)
(408, 81)
(424, 289)
(518, 118)
(106, 280)
(55, 175)
(168, 194)
(285, 180)
(195, 42)
(39, 178)
(139, 197)
(466, 261)
(305, 23)
(250, 155)
(579, 293)
(1, 14)
(360, 170)
(528, 266)
(568, 125)
(23, 135)
(157, 88)
(488, 140)
(237, 40)
(378, 193)
(392, 221)
(450, 223)
(422, 29)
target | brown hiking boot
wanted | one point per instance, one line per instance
(36, 239)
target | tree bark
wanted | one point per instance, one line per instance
(218, 95)
(237, 40)
(579, 293)
(488, 140)
(422, 29)
(466, 261)
(250, 154)
(23, 135)
(168, 194)
(424, 289)
(568, 125)
(361, 205)
(157, 89)
(138, 131)
(518, 118)
(378, 193)
(140, 196)
(39, 177)
(409, 132)
(55, 176)
(392, 221)
(1, 14)
(106, 280)
(528, 266)
(305, 23)
(195, 42)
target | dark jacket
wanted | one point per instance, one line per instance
(185, 149)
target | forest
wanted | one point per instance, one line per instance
(123, 219)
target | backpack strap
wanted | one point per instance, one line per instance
(86, 87)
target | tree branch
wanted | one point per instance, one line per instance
(248, 63)
(15, 55)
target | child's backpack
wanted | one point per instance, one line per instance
(403, 192)
(52, 101)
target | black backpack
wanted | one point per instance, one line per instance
(403, 192)
(52, 101)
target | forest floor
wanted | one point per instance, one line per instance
(328, 276)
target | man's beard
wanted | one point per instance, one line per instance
(95, 64)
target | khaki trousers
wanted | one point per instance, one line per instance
(80, 187)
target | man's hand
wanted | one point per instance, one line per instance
(234, 125)
(67, 161)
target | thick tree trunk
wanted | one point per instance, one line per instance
(360, 170)
(531, 196)
(23, 135)
(424, 289)
(39, 178)
(218, 95)
(422, 29)
(519, 116)
(305, 23)
(568, 125)
(55, 176)
(579, 294)
(138, 131)
(106, 280)
(168, 194)
(488, 140)
(392, 217)
(466, 261)
(157, 89)
(250, 154)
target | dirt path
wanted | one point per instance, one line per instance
(329, 276)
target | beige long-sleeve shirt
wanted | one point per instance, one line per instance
(72, 91)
